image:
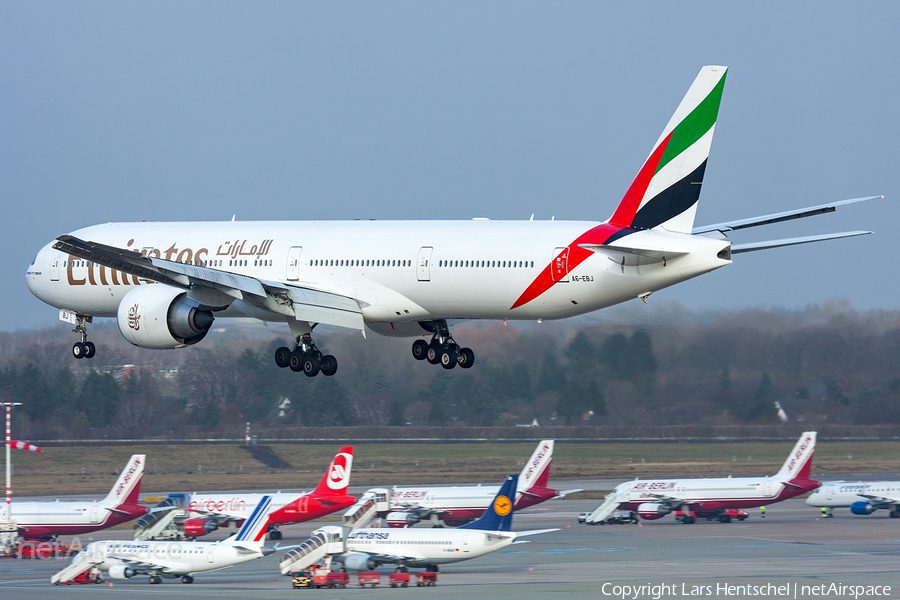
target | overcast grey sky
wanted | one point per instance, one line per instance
(122, 111)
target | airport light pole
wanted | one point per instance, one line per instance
(8, 406)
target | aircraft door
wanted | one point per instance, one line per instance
(210, 554)
(465, 544)
(55, 263)
(559, 268)
(423, 264)
(293, 263)
(767, 488)
(95, 513)
(303, 505)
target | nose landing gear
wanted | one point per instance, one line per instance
(443, 349)
(84, 348)
(306, 357)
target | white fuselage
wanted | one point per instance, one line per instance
(74, 514)
(399, 272)
(235, 506)
(460, 498)
(731, 492)
(168, 558)
(429, 546)
(842, 494)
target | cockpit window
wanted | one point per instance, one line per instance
(34, 260)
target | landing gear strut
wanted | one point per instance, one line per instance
(306, 357)
(443, 349)
(84, 348)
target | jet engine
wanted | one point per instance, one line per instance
(121, 572)
(650, 511)
(199, 527)
(161, 317)
(359, 561)
(862, 508)
(399, 520)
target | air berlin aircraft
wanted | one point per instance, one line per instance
(403, 278)
(207, 512)
(711, 498)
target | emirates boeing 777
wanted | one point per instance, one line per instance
(403, 278)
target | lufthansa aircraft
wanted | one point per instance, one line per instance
(403, 278)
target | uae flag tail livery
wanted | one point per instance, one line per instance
(665, 192)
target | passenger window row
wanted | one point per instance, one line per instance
(334, 262)
(487, 264)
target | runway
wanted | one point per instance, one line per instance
(789, 547)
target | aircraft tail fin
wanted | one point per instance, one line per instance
(253, 531)
(337, 478)
(537, 469)
(667, 188)
(498, 516)
(128, 486)
(799, 461)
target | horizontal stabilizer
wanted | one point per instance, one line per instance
(754, 246)
(799, 213)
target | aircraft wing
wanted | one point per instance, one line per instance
(419, 511)
(145, 566)
(396, 558)
(672, 501)
(881, 501)
(534, 532)
(565, 493)
(752, 247)
(295, 301)
(778, 217)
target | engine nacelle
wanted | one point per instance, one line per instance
(199, 527)
(121, 572)
(359, 561)
(399, 520)
(650, 511)
(862, 508)
(161, 317)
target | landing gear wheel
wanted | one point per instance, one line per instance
(187, 579)
(295, 361)
(894, 514)
(420, 349)
(283, 357)
(155, 579)
(311, 365)
(433, 355)
(329, 365)
(401, 570)
(688, 520)
(466, 358)
(90, 350)
(275, 535)
(724, 519)
(449, 357)
(79, 350)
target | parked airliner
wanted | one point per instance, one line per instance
(403, 278)
(711, 497)
(125, 559)
(455, 505)
(861, 497)
(46, 519)
(366, 549)
(207, 512)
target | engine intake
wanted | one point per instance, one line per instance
(359, 561)
(161, 317)
(121, 572)
(862, 508)
(399, 520)
(199, 527)
(650, 511)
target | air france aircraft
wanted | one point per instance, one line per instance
(455, 505)
(45, 519)
(711, 498)
(403, 278)
(861, 497)
(366, 549)
(125, 559)
(208, 512)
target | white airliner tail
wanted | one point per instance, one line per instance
(799, 461)
(537, 469)
(252, 533)
(128, 486)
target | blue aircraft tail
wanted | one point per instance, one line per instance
(498, 516)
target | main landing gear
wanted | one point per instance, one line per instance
(306, 357)
(84, 348)
(443, 349)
